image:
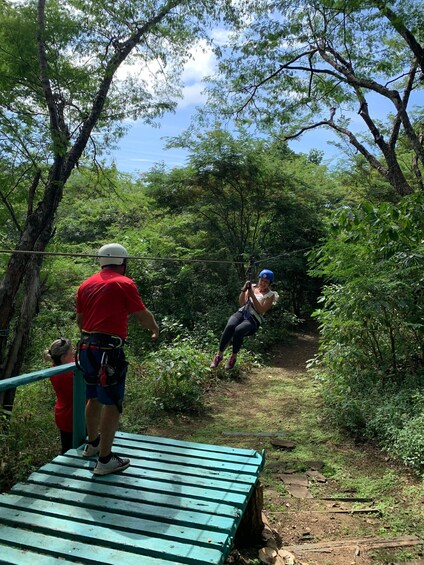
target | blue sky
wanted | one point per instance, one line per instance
(144, 145)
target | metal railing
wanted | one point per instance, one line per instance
(78, 432)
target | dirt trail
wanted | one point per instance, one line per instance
(300, 482)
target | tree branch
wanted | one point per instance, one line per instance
(9, 207)
(400, 27)
(375, 163)
(396, 126)
(59, 140)
(121, 53)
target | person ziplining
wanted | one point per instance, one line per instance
(255, 300)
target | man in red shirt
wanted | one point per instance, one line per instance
(103, 304)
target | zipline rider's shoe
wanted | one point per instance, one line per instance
(114, 465)
(216, 361)
(231, 362)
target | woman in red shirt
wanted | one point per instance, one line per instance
(60, 353)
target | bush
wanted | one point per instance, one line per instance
(171, 379)
(409, 443)
(372, 322)
(30, 438)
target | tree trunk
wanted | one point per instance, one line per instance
(19, 343)
(35, 236)
(39, 223)
(251, 524)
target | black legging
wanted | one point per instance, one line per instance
(237, 329)
(66, 441)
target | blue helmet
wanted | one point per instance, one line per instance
(266, 274)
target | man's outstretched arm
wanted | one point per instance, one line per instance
(147, 320)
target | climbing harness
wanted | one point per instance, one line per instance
(248, 306)
(101, 359)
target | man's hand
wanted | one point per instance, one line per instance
(147, 320)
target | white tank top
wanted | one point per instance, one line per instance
(261, 299)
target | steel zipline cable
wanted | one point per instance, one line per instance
(144, 258)
(137, 257)
(286, 254)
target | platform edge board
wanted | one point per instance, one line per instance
(147, 485)
(139, 471)
(198, 536)
(105, 537)
(104, 489)
(66, 548)
(176, 442)
(161, 513)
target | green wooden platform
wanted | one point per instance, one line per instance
(178, 502)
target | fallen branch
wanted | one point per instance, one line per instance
(366, 543)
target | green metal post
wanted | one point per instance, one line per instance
(78, 432)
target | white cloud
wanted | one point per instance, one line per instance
(201, 63)
(192, 95)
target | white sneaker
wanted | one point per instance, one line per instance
(114, 465)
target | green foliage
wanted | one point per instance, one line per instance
(30, 438)
(372, 323)
(409, 442)
(170, 379)
(243, 197)
(297, 66)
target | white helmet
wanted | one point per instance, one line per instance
(112, 254)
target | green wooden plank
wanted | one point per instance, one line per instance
(250, 472)
(188, 444)
(167, 477)
(215, 507)
(106, 537)
(248, 468)
(186, 452)
(60, 549)
(123, 522)
(150, 485)
(183, 469)
(124, 506)
(14, 556)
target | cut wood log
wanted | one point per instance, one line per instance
(254, 434)
(332, 510)
(346, 499)
(364, 543)
(414, 562)
(354, 511)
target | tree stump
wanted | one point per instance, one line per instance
(251, 525)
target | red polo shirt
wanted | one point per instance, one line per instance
(105, 300)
